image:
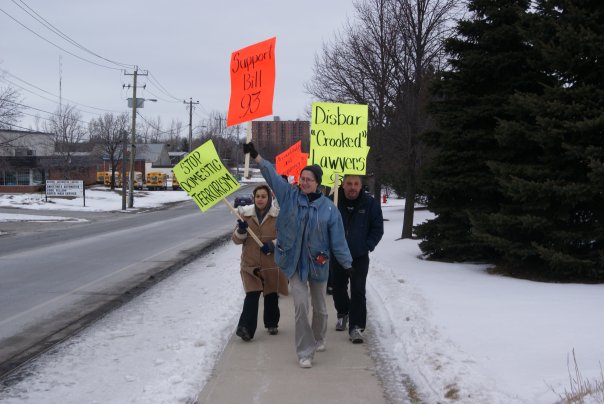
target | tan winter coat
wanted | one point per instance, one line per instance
(259, 271)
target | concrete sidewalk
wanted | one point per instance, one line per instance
(265, 370)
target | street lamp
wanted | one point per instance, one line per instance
(140, 102)
(134, 103)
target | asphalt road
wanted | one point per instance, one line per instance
(56, 278)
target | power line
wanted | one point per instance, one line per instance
(58, 32)
(159, 131)
(55, 45)
(15, 126)
(40, 110)
(55, 102)
(46, 24)
(29, 91)
(23, 81)
(199, 116)
(152, 79)
(48, 92)
(159, 98)
(205, 111)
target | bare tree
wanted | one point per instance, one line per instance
(109, 132)
(359, 67)
(423, 25)
(214, 128)
(143, 130)
(386, 60)
(68, 132)
(157, 132)
(174, 135)
(148, 130)
(10, 108)
(10, 112)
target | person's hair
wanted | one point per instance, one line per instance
(353, 175)
(263, 186)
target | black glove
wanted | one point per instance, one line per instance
(267, 248)
(241, 226)
(249, 148)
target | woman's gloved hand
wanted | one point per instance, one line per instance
(249, 148)
(267, 248)
(241, 226)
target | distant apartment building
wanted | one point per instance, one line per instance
(273, 137)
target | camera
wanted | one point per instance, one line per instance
(321, 259)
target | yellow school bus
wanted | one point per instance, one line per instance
(156, 180)
(101, 175)
(175, 184)
(118, 179)
(138, 180)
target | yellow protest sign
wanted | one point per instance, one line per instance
(341, 162)
(338, 139)
(203, 176)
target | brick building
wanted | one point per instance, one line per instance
(273, 137)
(28, 159)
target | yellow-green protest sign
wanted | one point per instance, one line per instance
(338, 139)
(342, 162)
(203, 176)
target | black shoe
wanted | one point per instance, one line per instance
(273, 330)
(243, 333)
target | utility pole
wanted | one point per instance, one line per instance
(124, 149)
(220, 120)
(133, 138)
(237, 153)
(190, 102)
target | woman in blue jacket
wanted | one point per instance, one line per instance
(309, 230)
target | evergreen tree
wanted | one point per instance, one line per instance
(489, 63)
(551, 222)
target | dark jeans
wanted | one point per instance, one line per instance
(355, 305)
(249, 314)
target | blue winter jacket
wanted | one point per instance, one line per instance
(305, 230)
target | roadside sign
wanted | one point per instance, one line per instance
(65, 188)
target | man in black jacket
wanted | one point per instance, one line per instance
(364, 227)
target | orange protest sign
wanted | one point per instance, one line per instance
(252, 82)
(288, 162)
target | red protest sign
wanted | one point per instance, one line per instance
(288, 162)
(252, 82)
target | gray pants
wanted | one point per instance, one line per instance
(307, 335)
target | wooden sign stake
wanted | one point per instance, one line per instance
(248, 138)
(236, 213)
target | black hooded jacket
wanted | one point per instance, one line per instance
(363, 222)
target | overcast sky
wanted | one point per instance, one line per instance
(184, 44)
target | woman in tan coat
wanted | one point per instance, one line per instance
(259, 272)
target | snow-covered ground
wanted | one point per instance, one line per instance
(98, 199)
(457, 333)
